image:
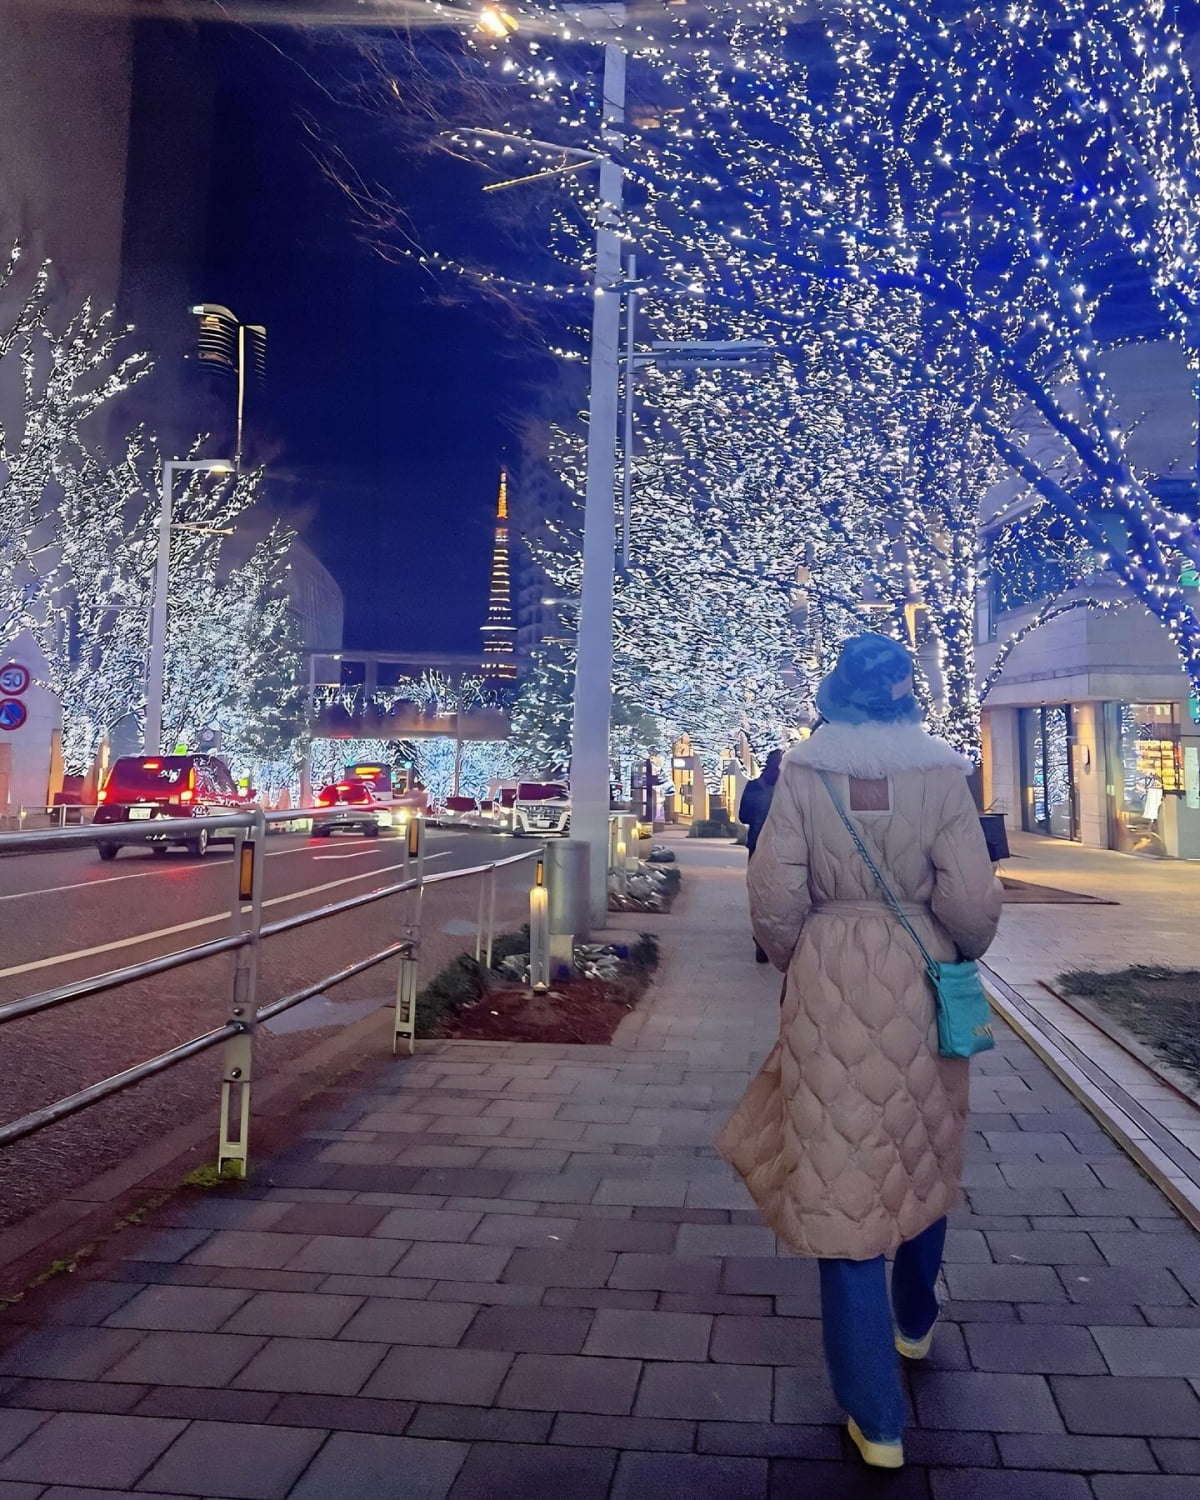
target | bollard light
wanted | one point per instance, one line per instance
(539, 931)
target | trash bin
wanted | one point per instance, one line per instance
(996, 835)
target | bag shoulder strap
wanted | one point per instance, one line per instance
(885, 889)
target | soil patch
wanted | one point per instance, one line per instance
(1160, 1006)
(1016, 891)
(580, 1011)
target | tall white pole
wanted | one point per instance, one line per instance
(158, 619)
(627, 439)
(593, 669)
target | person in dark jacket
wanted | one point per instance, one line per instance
(753, 810)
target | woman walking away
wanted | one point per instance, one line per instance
(851, 1137)
(753, 810)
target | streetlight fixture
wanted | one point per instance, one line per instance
(222, 342)
(162, 576)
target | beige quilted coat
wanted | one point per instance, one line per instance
(851, 1137)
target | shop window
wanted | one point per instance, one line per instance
(1147, 768)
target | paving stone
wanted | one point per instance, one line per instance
(294, 1314)
(266, 1281)
(720, 1304)
(1142, 1487)
(427, 1224)
(531, 1232)
(768, 1440)
(68, 1353)
(529, 1330)
(152, 1244)
(1178, 1455)
(624, 1235)
(791, 1478)
(1005, 1201)
(333, 1367)
(1024, 1349)
(71, 1395)
(647, 1434)
(1124, 1284)
(462, 1377)
(564, 1382)
(995, 1484)
(1150, 1351)
(587, 1296)
(342, 1413)
(361, 1465)
(661, 1474)
(11, 1490)
(455, 1262)
(202, 1359)
(551, 1187)
(414, 1288)
(1032, 1248)
(1083, 1314)
(1021, 1450)
(953, 1450)
(706, 1392)
(201, 1309)
(966, 1245)
(1136, 1198)
(725, 1239)
(1010, 1283)
(651, 1191)
(329, 1218)
(258, 1249)
(349, 1256)
(994, 1402)
(665, 1273)
(386, 1320)
(480, 1424)
(82, 1305)
(205, 1403)
(487, 1293)
(504, 1471)
(16, 1426)
(461, 1181)
(1178, 1251)
(560, 1267)
(88, 1448)
(513, 1160)
(1127, 1405)
(649, 1335)
(158, 1273)
(230, 1458)
(759, 1275)
(766, 1341)
(664, 1214)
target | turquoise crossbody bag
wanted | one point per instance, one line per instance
(964, 1017)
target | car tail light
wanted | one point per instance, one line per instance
(186, 795)
(102, 795)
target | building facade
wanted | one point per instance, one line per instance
(1091, 732)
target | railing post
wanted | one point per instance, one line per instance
(491, 918)
(405, 1029)
(249, 858)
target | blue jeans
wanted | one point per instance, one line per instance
(856, 1324)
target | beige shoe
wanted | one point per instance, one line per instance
(878, 1455)
(914, 1348)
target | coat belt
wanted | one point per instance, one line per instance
(869, 908)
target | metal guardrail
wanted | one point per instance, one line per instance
(247, 933)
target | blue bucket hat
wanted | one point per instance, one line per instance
(872, 683)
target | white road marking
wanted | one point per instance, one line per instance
(102, 880)
(222, 916)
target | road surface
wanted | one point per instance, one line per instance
(65, 915)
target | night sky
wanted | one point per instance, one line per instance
(390, 401)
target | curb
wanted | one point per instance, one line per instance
(1180, 1190)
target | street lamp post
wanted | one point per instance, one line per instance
(158, 608)
(590, 771)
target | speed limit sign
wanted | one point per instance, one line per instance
(14, 678)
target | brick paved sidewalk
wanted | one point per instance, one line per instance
(512, 1271)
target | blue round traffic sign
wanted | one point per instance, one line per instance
(14, 678)
(13, 713)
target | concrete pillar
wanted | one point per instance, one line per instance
(567, 879)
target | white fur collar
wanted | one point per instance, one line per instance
(873, 751)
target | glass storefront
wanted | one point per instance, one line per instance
(1144, 768)
(1047, 738)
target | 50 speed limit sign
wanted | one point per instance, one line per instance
(14, 679)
